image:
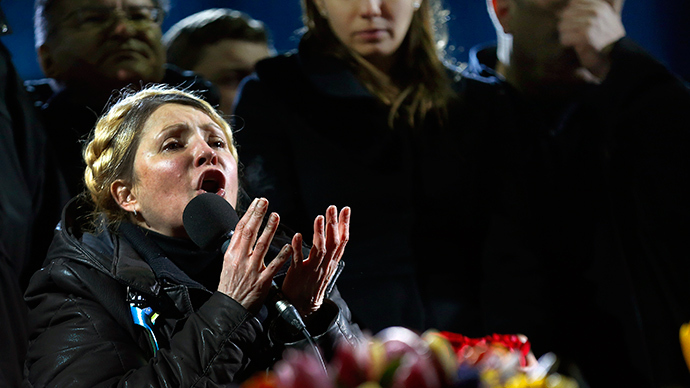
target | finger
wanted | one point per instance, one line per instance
(297, 254)
(319, 243)
(277, 263)
(344, 232)
(251, 229)
(344, 224)
(332, 237)
(242, 223)
(264, 242)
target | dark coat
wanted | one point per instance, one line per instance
(83, 332)
(30, 200)
(311, 135)
(586, 246)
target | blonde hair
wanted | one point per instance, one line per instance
(112, 146)
(419, 83)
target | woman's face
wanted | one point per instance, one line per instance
(375, 29)
(182, 153)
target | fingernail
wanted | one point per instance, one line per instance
(261, 204)
(286, 249)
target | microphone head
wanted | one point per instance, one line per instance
(209, 219)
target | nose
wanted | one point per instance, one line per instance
(121, 23)
(370, 8)
(204, 154)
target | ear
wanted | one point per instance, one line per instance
(45, 59)
(123, 195)
(321, 8)
(501, 9)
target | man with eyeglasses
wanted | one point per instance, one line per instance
(88, 49)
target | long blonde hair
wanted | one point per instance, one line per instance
(418, 85)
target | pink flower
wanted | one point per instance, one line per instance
(350, 364)
(301, 370)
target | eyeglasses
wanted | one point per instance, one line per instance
(100, 17)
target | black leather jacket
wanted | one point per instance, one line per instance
(83, 333)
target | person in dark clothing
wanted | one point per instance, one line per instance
(365, 82)
(88, 50)
(126, 298)
(30, 198)
(586, 144)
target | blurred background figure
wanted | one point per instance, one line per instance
(29, 206)
(585, 250)
(222, 45)
(88, 49)
(367, 84)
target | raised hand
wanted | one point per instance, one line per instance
(245, 277)
(307, 279)
(591, 27)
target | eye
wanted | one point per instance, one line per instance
(140, 14)
(171, 145)
(216, 142)
(93, 16)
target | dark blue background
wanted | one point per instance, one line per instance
(661, 26)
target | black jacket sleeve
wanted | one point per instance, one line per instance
(83, 336)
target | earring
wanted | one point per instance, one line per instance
(416, 5)
(135, 213)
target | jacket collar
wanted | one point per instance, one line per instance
(102, 250)
(327, 75)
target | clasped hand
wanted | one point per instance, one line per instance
(246, 278)
(591, 27)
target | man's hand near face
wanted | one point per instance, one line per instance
(591, 27)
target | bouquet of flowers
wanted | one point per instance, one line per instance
(400, 358)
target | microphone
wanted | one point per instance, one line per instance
(210, 222)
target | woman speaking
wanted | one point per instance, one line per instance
(127, 299)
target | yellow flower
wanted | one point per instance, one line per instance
(442, 350)
(685, 342)
(377, 361)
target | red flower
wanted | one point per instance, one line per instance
(473, 349)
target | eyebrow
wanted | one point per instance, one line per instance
(172, 128)
(211, 127)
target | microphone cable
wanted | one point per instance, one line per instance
(289, 314)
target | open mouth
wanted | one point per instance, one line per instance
(212, 181)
